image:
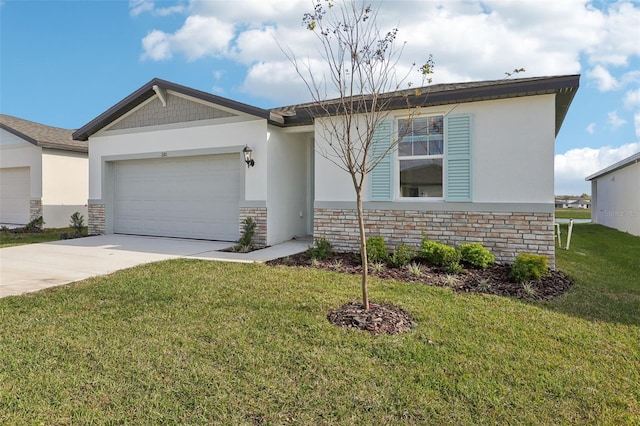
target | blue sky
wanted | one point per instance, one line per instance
(62, 63)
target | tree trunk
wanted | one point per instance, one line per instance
(363, 250)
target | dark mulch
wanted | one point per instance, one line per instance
(378, 319)
(391, 320)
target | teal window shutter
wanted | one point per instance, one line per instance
(458, 158)
(382, 175)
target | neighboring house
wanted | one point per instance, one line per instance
(167, 160)
(573, 203)
(615, 192)
(43, 172)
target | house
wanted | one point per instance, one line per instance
(615, 192)
(43, 172)
(573, 203)
(168, 160)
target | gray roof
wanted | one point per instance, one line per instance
(635, 158)
(564, 87)
(41, 135)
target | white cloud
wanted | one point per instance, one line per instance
(591, 128)
(614, 120)
(632, 99)
(136, 7)
(572, 167)
(156, 46)
(636, 123)
(199, 36)
(141, 6)
(604, 80)
(470, 40)
(277, 81)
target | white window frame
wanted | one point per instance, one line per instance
(398, 158)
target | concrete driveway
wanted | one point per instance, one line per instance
(33, 267)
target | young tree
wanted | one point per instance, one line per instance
(354, 97)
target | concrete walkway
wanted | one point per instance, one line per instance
(33, 267)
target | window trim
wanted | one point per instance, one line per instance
(397, 158)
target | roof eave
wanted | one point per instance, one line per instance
(64, 147)
(635, 158)
(19, 134)
(564, 87)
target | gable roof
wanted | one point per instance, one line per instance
(635, 158)
(147, 91)
(564, 87)
(41, 135)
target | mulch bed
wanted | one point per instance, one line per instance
(392, 320)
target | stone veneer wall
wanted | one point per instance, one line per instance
(35, 209)
(96, 223)
(259, 215)
(505, 234)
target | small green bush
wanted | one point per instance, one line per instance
(376, 250)
(35, 225)
(248, 230)
(476, 255)
(453, 268)
(439, 254)
(321, 249)
(528, 267)
(401, 256)
(77, 223)
(429, 251)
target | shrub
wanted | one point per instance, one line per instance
(321, 249)
(401, 256)
(528, 267)
(248, 230)
(453, 268)
(415, 269)
(439, 254)
(377, 267)
(77, 223)
(476, 255)
(376, 250)
(428, 251)
(35, 225)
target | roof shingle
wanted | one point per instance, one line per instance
(42, 135)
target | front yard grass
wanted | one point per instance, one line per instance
(9, 239)
(573, 213)
(198, 342)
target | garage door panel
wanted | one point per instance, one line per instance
(193, 197)
(14, 195)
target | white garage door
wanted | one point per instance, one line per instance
(190, 197)
(14, 195)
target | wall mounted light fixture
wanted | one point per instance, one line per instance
(248, 154)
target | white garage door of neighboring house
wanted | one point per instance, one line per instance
(190, 197)
(14, 195)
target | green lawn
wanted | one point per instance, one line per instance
(8, 239)
(197, 342)
(573, 214)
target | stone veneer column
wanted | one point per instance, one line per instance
(96, 223)
(505, 234)
(35, 209)
(259, 215)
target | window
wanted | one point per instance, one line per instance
(421, 154)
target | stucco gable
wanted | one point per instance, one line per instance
(178, 109)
